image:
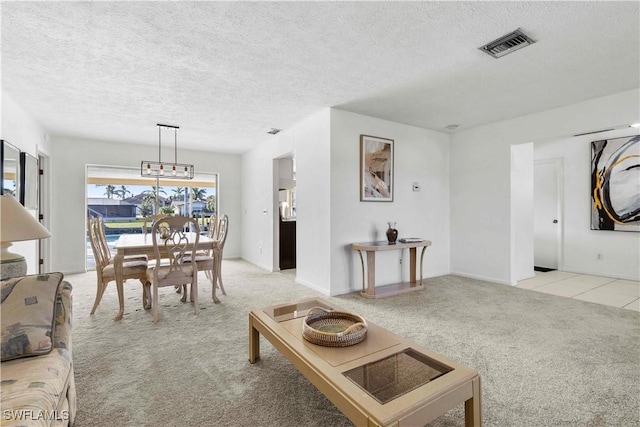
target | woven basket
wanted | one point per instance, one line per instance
(332, 328)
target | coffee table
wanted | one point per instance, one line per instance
(385, 380)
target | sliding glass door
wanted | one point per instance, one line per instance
(122, 198)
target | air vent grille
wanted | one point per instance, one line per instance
(507, 44)
(274, 131)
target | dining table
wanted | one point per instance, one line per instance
(142, 244)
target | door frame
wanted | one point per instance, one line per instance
(275, 208)
(558, 163)
(44, 209)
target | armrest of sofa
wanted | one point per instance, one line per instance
(63, 317)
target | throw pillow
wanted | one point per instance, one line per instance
(28, 305)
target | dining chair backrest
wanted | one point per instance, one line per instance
(99, 223)
(149, 220)
(223, 227)
(96, 245)
(212, 231)
(173, 241)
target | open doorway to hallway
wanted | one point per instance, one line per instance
(286, 220)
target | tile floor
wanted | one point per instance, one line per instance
(601, 290)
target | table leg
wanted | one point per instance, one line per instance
(424, 248)
(214, 277)
(254, 342)
(362, 263)
(219, 261)
(473, 406)
(371, 273)
(412, 266)
(117, 267)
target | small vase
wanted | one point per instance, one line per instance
(392, 233)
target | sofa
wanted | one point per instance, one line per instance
(38, 385)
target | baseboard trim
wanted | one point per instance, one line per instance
(312, 286)
(264, 267)
(484, 278)
(432, 275)
(69, 272)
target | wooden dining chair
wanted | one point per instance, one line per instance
(210, 261)
(174, 244)
(132, 268)
(212, 231)
(104, 245)
(205, 258)
(221, 238)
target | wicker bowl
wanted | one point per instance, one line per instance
(331, 328)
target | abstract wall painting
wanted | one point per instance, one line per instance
(615, 184)
(376, 169)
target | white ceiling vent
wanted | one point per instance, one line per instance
(507, 44)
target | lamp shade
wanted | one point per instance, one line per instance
(17, 224)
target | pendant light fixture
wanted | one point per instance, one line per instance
(166, 170)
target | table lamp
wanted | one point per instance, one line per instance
(16, 225)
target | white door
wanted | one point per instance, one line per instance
(546, 217)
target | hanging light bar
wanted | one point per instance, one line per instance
(167, 170)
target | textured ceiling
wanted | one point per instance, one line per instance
(226, 72)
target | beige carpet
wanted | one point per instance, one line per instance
(544, 360)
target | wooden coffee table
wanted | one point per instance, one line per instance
(385, 380)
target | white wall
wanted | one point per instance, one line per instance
(313, 201)
(309, 140)
(258, 188)
(522, 212)
(421, 156)
(68, 168)
(330, 216)
(23, 131)
(620, 250)
(481, 242)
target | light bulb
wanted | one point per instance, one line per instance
(162, 170)
(186, 172)
(173, 170)
(148, 169)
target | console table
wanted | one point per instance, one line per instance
(397, 288)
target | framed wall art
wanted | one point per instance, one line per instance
(615, 184)
(29, 175)
(9, 169)
(376, 169)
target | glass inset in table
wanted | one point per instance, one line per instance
(396, 375)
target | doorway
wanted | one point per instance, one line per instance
(285, 237)
(547, 215)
